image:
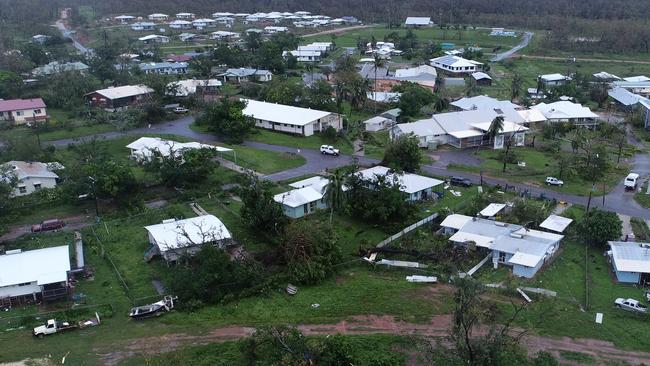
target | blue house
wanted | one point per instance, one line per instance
(525, 250)
(630, 261)
(300, 202)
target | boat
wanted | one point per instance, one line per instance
(155, 309)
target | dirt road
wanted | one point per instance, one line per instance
(337, 31)
(579, 59)
(601, 351)
(72, 223)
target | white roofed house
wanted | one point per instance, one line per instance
(173, 239)
(154, 38)
(145, 148)
(34, 275)
(274, 30)
(289, 119)
(246, 74)
(565, 111)
(418, 22)
(454, 222)
(158, 17)
(637, 85)
(164, 68)
(301, 202)
(184, 88)
(304, 55)
(180, 24)
(525, 250)
(204, 23)
(143, 26)
(456, 65)
(415, 187)
(227, 21)
(224, 35)
(30, 176)
(124, 19)
(482, 79)
(551, 80)
(630, 262)
(626, 100)
(184, 15)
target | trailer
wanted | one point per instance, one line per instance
(53, 326)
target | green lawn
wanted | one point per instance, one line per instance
(299, 142)
(263, 161)
(28, 135)
(539, 165)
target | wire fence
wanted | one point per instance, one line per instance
(406, 230)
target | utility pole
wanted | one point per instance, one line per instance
(93, 185)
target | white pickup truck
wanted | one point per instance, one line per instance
(631, 181)
(329, 150)
(53, 326)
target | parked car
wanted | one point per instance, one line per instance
(630, 304)
(180, 110)
(631, 181)
(48, 225)
(329, 150)
(458, 181)
(552, 181)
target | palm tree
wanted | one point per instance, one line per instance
(334, 195)
(378, 62)
(496, 126)
(515, 86)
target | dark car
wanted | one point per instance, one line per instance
(458, 181)
(48, 225)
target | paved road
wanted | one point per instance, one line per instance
(617, 200)
(524, 42)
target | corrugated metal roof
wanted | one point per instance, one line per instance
(193, 231)
(455, 221)
(44, 266)
(21, 104)
(281, 113)
(556, 223)
(298, 197)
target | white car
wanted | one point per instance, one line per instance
(180, 110)
(552, 181)
(329, 150)
(630, 304)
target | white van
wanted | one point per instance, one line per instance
(630, 181)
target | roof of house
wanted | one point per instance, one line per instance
(606, 76)
(425, 127)
(409, 183)
(24, 170)
(145, 146)
(183, 88)
(281, 113)
(455, 221)
(492, 209)
(377, 120)
(564, 110)
(556, 223)
(21, 104)
(624, 96)
(179, 58)
(383, 97)
(630, 256)
(455, 61)
(554, 77)
(43, 266)
(298, 197)
(422, 71)
(531, 115)
(180, 22)
(244, 72)
(55, 67)
(482, 102)
(123, 91)
(418, 21)
(162, 65)
(481, 75)
(152, 37)
(318, 183)
(636, 79)
(632, 84)
(188, 232)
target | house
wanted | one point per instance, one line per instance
(415, 187)
(525, 250)
(227, 14)
(645, 108)
(180, 24)
(274, 30)
(378, 123)
(185, 15)
(605, 76)
(55, 67)
(500, 32)
(552, 80)
(482, 79)
(204, 23)
(184, 88)
(224, 35)
(178, 58)
(21, 111)
(318, 183)
(625, 99)
(463, 129)
(630, 262)
(300, 202)
(423, 75)
(636, 79)
(483, 102)
(186, 37)
(118, 97)
(303, 56)
(158, 17)
(143, 26)
(246, 74)
(164, 68)
(383, 97)
(641, 88)
(226, 21)
(392, 114)
(454, 222)
(565, 111)
(124, 19)
(289, 119)
(535, 93)
(173, 239)
(144, 148)
(418, 22)
(34, 275)
(31, 176)
(154, 38)
(456, 65)
(40, 39)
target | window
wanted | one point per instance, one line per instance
(502, 257)
(37, 111)
(22, 189)
(37, 186)
(24, 284)
(19, 113)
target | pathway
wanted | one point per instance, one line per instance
(524, 42)
(602, 351)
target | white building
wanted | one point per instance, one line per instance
(158, 17)
(204, 23)
(303, 56)
(154, 38)
(124, 19)
(296, 120)
(416, 187)
(184, 88)
(418, 22)
(173, 239)
(300, 202)
(184, 15)
(565, 111)
(456, 64)
(143, 26)
(243, 74)
(145, 148)
(551, 80)
(454, 222)
(35, 274)
(224, 35)
(274, 30)
(180, 24)
(31, 176)
(21, 111)
(630, 262)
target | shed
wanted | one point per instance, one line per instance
(300, 202)
(482, 79)
(556, 223)
(492, 210)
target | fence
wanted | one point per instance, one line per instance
(105, 255)
(408, 229)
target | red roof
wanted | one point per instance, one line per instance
(21, 104)
(178, 58)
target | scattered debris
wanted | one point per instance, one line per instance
(479, 265)
(523, 294)
(315, 306)
(401, 264)
(599, 318)
(291, 289)
(425, 279)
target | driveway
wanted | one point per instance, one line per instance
(524, 42)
